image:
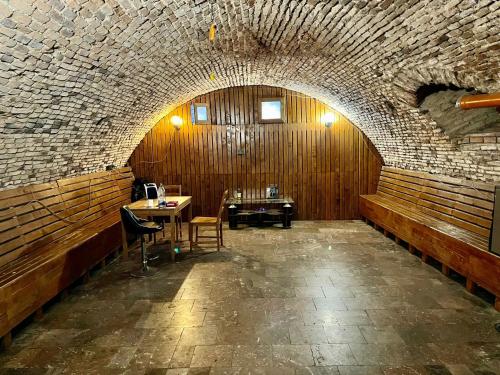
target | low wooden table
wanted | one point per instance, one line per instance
(263, 214)
(141, 208)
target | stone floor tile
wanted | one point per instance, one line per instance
(161, 335)
(360, 370)
(332, 354)
(251, 371)
(323, 281)
(155, 320)
(187, 319)
(355, 317)
(336, 292)
(323, 370)
(393, 354)
(250, 356)
(292, 355)
(177, 371)
(122, 357)
(182, 356)
(212, 356)
(373, 334)
(156, 356)
(192, 336)
(309, 291)
(301, 334)
(344, 335)
(329, 304)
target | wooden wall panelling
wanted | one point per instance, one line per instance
(323, 169)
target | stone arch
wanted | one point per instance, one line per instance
(82, 86)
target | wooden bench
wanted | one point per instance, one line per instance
(41, 254)
(445, 218)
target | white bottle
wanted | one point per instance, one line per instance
(161, 194)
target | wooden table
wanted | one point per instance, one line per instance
(141, 208)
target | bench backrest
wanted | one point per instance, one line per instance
(463, 203)
(26, 225)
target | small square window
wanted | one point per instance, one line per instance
(271, 110)
(201, 113)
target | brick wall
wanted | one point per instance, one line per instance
(81, 82)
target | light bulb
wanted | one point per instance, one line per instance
(329, 119)
(176, 122)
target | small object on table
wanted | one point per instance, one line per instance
(172, 204)
(272, 192)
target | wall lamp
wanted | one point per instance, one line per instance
(329, 119)
(176, 122)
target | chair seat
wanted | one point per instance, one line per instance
(204, 220)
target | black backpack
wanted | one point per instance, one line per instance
(138, 189)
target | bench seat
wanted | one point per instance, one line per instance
(444, 218)
(43, 255)
(429, 221)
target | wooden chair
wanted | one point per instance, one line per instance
(202, 221)
(175, 191)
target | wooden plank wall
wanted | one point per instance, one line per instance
(323, 170)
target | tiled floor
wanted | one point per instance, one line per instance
(321, 298)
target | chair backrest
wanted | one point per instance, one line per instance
(135, 225)
(173, 190)
(130, 221)
(222, 204)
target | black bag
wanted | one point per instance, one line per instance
(138, 189)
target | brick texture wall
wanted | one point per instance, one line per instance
(82, 81)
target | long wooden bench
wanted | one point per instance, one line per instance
(445, 218)
(43, 252)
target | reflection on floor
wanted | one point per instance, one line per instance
(321, 298)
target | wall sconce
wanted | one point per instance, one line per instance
(176, 122)
(329, 119)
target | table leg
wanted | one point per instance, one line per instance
(190, 212)
(124, 242)
(172, 236)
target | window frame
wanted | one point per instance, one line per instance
(197, 121)
(282, 112)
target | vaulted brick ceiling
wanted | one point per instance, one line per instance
(82, 81)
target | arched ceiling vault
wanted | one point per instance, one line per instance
(81, 82)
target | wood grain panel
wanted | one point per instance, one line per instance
(323, 169)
